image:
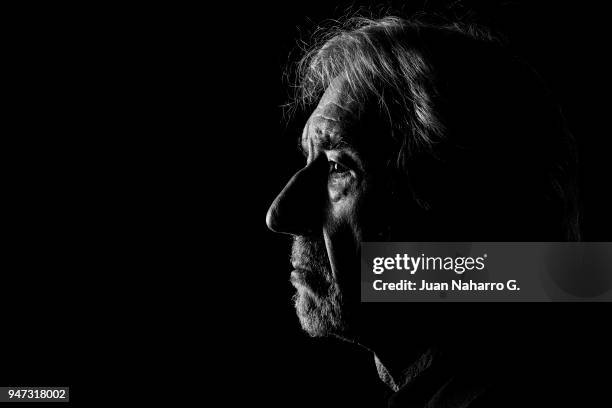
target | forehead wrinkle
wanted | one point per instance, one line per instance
(326, 117)
(331, 120)
(334, 111)
(344, 108)
(335, 108)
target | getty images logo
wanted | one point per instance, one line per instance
(413, 264)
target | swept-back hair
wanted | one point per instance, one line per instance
(461, 109)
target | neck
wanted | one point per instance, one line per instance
(399, 358)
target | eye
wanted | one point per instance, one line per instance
(337, 170)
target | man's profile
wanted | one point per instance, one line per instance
(418, 132)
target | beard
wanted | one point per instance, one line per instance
(318, 300)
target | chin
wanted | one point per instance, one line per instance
(319, 316)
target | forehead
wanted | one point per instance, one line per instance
(334, 117)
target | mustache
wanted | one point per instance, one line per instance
(310, 254)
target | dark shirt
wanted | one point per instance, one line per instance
(434, 380)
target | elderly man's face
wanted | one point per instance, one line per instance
(326, 207)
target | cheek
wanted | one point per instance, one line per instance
(345, 201)
(342, 229)
(341, 191)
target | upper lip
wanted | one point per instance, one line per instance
(299, 267)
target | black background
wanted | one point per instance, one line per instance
(146, 146)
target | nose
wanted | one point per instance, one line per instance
(298, 209)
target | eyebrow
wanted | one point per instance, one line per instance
(324, 142)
